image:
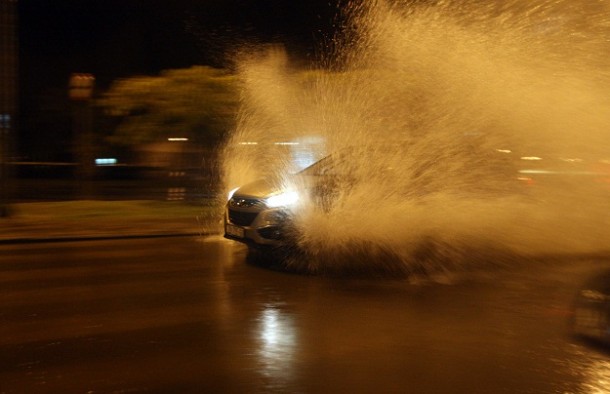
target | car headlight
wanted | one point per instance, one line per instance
(282, 200)
(230, 194)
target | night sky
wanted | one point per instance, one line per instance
(119, 38)
(113, 38)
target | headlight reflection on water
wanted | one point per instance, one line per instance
(277, 342)
(590, 369)
(598, 374)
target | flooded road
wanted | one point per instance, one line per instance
(190, 315)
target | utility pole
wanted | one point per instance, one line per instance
(8, 98)
(80, 92)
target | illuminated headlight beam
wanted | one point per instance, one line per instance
(231, 193)
(282, 200)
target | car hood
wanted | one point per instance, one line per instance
(260, 188)
(265, 187)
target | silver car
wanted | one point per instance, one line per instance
(259, 213)
(256, 214)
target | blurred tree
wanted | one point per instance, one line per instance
(198, 103)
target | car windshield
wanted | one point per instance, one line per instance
(321, 167)
(344, 162)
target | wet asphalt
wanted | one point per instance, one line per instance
(191, 314)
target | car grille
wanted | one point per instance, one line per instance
(241, 218)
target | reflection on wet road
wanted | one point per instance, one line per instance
(189, 314)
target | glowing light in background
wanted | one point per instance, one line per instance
(105, 162)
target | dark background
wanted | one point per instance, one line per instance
(119, 38)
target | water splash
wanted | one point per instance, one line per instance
(455, 93)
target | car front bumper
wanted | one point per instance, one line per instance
(266, 229)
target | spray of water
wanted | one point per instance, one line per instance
(440, 100)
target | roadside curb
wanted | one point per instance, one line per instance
(33, 240)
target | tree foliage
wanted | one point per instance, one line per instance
(198, 103)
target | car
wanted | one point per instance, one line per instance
(262, 214)
(259, 214)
